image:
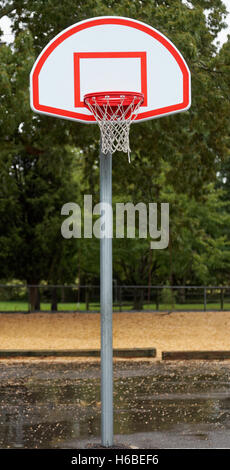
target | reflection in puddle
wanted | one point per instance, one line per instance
(47, 405)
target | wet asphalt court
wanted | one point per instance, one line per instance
(156, 405)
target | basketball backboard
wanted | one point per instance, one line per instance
(109, 54)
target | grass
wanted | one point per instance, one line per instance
(22, 306)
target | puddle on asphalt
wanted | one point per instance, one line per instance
(48, 405)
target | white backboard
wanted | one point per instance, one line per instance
(109, 54)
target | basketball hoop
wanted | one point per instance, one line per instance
(115, 53)
(114, 113)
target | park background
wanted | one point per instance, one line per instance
(182, 159)
(46, 282)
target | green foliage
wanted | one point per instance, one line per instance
(36, 175)
(45, 162)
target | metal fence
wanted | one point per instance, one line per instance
(86, 298)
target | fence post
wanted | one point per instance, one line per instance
(205, 299)
(222, 299)
(28, 298)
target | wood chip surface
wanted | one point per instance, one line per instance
(165, 332)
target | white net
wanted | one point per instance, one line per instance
(114, 122)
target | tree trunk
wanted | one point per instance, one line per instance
(34, 298)
(157, 299)
(138, 299)
(150, 274)
(170, 262)
(172, 302)
(182, 295)
(87, 299)
(63, 294)
(54, 300)
(79, 283)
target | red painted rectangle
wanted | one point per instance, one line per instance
(108, 55)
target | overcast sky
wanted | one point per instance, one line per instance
(223, 35)
(5, 26)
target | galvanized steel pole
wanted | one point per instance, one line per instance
(106, 294)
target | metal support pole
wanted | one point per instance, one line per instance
(106, 294)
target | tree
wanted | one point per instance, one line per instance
(174, 159)
(37, 178)
(190, 140)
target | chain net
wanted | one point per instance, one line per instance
(115, 122)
